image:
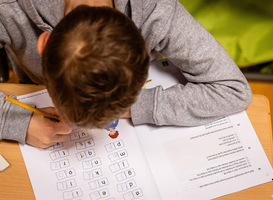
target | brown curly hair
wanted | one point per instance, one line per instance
(94, 64)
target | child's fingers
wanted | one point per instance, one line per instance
(61, 128)
(59, 138)
(51, 110)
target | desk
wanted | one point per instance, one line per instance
(15, 184)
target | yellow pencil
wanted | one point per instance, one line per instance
(148, 81)
(144, 86)
(19, 103)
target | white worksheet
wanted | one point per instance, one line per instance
(90, 165)
(148, 162)
(205, 162)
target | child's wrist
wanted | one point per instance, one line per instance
(127, 114)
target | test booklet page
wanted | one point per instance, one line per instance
(90, 165)
(148, 162)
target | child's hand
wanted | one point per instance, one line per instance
(127, 114)
(43, 132)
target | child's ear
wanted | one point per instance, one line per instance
(42, 40)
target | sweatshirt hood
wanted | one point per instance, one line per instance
(42, 14)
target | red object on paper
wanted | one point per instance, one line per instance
(113, 136)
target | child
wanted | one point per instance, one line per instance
(94, 95)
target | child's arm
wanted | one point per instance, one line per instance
(14, 120)
(21, 125)
(216, 86)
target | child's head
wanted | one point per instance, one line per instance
(94, 64)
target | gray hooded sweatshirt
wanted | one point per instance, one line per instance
(216, 87)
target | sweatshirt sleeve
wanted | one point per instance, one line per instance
(14, 121)
(216, 87)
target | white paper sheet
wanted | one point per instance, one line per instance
(90, 165)
(205, 162)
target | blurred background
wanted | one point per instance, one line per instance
(244, 28)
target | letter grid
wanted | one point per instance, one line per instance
(119, 167)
